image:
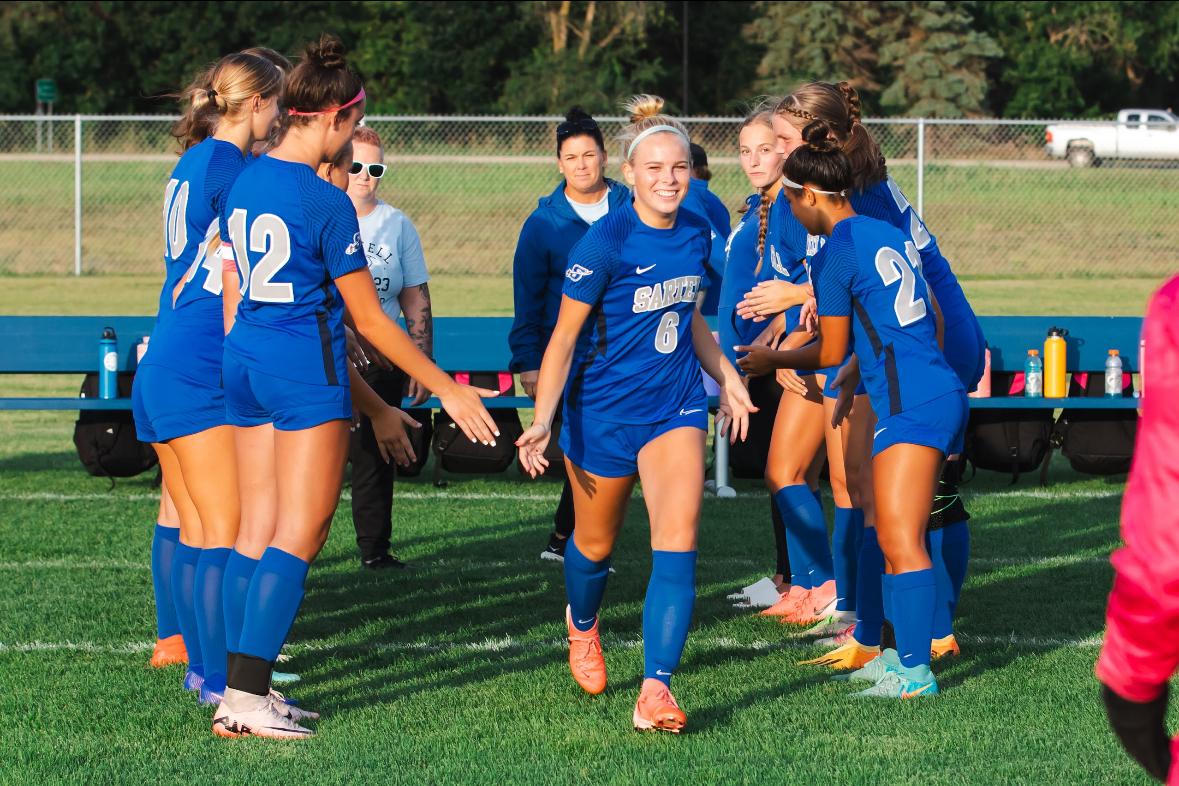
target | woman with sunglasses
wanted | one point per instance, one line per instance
(398, 267)
(559, 221)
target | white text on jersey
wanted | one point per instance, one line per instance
(676, 290)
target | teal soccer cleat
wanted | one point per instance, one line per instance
(874, 670)
(902, 683)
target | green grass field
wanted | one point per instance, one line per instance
(456, 673)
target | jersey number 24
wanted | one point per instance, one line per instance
(909, 307)
(269, 236)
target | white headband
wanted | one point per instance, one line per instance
(648, 132)
(791, 184)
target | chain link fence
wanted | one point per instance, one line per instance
(83, 194)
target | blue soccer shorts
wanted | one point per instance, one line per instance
(611, 450)
(940, 424)
(167, 404)
(253, 398)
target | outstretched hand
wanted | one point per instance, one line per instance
(733, 414)
(532, 444)
(391, 428)
(462, 403)
(758, 361)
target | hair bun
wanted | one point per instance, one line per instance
(328, 52)
(642, 106)
(576, 113)
(818, 137)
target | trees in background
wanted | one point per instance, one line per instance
(937, 58)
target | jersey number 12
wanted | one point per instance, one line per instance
(268, 234)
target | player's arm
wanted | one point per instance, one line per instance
(735, 402)
(941, 321)
(390, 424)
(772, 297)
(828, 349)
(554, 373)
(461, 402)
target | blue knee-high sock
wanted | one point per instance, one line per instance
(667, 612)
(183, 579)
(802, 513)
(239, 570)
(210, 614)
(949, 548)
(914, 596)
(817, 493)
(869, 592)
(886, 597)
(585, 584)
(163, 551)
(272, 603)
(843, 547)
(858, 514)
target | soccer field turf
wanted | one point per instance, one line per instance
(456, 672)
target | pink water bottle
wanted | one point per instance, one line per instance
(984, 384)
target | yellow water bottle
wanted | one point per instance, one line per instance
(1054, 364)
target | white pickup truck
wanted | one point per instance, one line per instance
(1138, 133)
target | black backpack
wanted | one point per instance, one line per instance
(453, 452)
(106, 439)
(748, 459)
(1008, 440)
(1097, 441)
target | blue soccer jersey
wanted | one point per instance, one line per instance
(188, 337)
(885, 202)
(784, 255)
(741, 275)
(871, 271)
(642, 283)
(292, 235)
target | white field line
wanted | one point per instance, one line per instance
(455, 564)
(509, 644)
(1047, 494)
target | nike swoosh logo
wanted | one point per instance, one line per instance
(642, 270)
(918, 692)
(663, 673)
(689, 411)
(878, 433)
(585, 622)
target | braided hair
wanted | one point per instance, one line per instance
(840, 109)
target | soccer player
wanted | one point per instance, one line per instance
(871, 269)
(169, 646)
(177, 398)
(297, 243)
(635, 406)
(1141, 650)
(876, 194)
(559, 221)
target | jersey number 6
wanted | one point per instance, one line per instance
(892, 266)
(270, 235)
(668, 335)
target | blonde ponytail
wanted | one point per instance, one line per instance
(645, 114)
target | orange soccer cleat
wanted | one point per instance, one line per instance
(168, 651)
(852, 655)
(657, 710)
(787, 601)
(943, 647)
(585, 656)
(817, 605)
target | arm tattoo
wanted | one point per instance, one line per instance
(421, 327)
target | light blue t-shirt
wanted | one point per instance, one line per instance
(394, 252)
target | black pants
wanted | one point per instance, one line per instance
(372, 478)
(563, 518)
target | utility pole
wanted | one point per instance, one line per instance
(685, 110)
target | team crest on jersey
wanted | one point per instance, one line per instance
(577, 273)
(355, 245)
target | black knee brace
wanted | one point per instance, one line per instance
(947, 505)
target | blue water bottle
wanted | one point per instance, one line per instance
(108, 364)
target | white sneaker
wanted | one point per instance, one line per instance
(759, 595)
(293, 711)
(263, 720)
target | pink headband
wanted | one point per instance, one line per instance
(357, 100)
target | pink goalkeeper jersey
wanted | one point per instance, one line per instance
(1141, 649)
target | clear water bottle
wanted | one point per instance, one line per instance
(1033, 375)
(1113, 375)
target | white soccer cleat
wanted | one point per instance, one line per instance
(263, 720)
(296, 713)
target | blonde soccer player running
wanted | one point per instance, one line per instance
(635, 406)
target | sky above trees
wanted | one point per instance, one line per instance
(937, 59)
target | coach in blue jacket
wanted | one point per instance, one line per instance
(549, 234)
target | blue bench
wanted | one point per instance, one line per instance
(69, 345)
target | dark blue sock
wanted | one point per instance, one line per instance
(802, 513)
(163, 551)
(272, 603)
(869, 596)
(843, 543)
(183, 578)
(667, 612)
(914, 596)
(585, 584)
(817, 493)
(949, 549)
(239, 570)
(886, 597)
(210, 614)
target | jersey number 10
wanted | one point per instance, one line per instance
(268, 235)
